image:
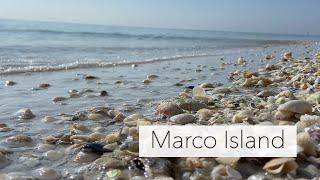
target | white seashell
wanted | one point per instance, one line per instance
(306, 121)
(296, 106)
(280, 165)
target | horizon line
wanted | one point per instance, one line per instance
(152, 27)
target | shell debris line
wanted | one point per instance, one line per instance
(102, 142)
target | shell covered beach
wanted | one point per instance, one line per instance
(83, 123)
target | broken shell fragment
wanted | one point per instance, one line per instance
(280, 165)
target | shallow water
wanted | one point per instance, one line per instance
(130, 96)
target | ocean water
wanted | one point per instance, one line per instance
(28, 46)
(61, 55)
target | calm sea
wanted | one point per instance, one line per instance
(47, 46)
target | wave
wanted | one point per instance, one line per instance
(82, 65)
(140, 36)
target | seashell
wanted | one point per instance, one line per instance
(59, 99)
(241, 116)
(107, 162)
(132, 146)
(168, 109)
(183, 119)
(116, 174)
(287, 56)
(225, 172)
(296, 106)
(190, 104)
(25, 114)
(314, 98)
(133, 117)
(111, 138)
(4, 161)
(19, 141)
(53, 155)
(265, 93)
(285, 115)
(199, 92)
(47, 174)
(204, 114)
(9, 83)
(96, 117)
(221, 90)
(280, 165)
(304, 140)
(230, 161)
(286, 94)
(99, 129)
(96, 136)
(80, 127)
(81, 138)
(83, 157)
(306, 121)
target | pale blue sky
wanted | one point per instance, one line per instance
(274, 16)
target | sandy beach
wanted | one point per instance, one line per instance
(83, 123)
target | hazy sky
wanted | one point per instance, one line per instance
(275, 16)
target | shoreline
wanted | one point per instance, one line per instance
(102, 141)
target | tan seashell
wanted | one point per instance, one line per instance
(296, 106)
(314, 98)
(81, 138)
(304, 140)
(280, 165)
(96, 116)
(96, 136)
(111, 138)
(230, 161)
(241, 116)
(199, 92)
(287, 56)
(204, 114)
(306, 121)
(284, 115)
(168, 109)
